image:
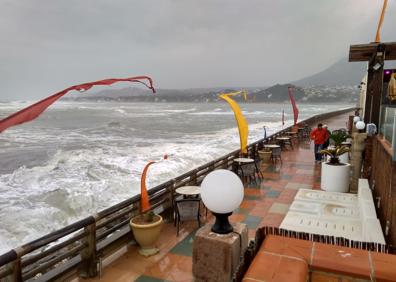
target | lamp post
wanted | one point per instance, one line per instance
(217, 248)
(222, 193)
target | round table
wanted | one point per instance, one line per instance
(272, 146)
(189, 190)
(243, 160)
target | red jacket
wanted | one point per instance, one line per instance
(319, 135)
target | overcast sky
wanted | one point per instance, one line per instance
(48, 45)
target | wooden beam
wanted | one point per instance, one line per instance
(364, 52)
(374, 90)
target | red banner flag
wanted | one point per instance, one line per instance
(33, 111)
(293, 102)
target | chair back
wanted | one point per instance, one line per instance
(188, 209)
(248, 169)
(276, 152)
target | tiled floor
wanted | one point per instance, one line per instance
(265, 203)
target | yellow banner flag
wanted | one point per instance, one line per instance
(241, 121)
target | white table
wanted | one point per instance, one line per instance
(189, 190)
(283, 138)
(272, 146)
(243, 160)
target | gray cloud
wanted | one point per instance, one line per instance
(49, 45)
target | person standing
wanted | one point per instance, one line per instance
(319, 135)
(327, 142)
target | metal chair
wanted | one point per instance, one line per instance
(248, 170)
(257, 163)
(187, 209)
(288, 143)
(276, 154)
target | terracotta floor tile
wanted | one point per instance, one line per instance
(288, 246)
(173, 268)
(267, 267)
(324, 277)
(272, 219)
(384, 266)
(337, 259)
(259, 212)
(291, 270)
(252, 191)
(237, 217)
(279, 208)
(247, 204)
(263, 268)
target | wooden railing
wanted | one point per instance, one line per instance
(79, 248)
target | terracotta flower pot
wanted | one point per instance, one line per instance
(146, 234)
(265, 156)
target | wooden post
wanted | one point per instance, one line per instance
(193, 177)
(374, 87)
(170, 213)
(16, 268)
(350, 124)
(88, 254)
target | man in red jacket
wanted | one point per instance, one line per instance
(319, 135)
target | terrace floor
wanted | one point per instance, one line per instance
(265, 203)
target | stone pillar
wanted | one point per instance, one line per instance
(358, 140)
(216, 256)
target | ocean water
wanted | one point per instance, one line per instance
(81, 157)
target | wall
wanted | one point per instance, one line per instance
(383, 182)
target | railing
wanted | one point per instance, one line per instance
(80, 247)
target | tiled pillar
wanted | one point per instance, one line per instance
(357, 150)
(216, 256)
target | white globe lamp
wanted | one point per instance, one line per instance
(222, 192)
(360, 125)
(356, 119)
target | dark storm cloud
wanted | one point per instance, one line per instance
(48, 45)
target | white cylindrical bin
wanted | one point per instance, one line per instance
(335, 178)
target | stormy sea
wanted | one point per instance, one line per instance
(81, 157)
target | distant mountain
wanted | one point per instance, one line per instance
(278, 93)
(341, 73)
(337, 83)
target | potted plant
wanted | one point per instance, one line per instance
(338, 137)
(265, 155)
(146, 226)
(336, 172)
